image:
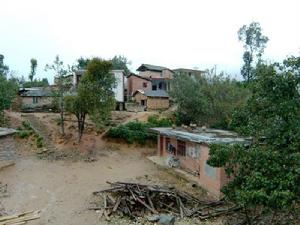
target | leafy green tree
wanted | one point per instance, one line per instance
(121, 63)
(33, 66)
(254, 45)
(8, 89)
(266, 175)
(63, 86)
(4, 69)
(82, 63)
(207, 100)
(94, 94)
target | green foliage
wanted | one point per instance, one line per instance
(33, 66)
(24, 134)
(155, 121)
(4, 69)
(94, 95)
(8, 90)
(36, 83)
(132, 132)
(121, 63)
(138, 132)
(254, 45)
(266, 173)
(39, 142)
(209, 100)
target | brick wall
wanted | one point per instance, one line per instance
(158, 103)
(135, 83)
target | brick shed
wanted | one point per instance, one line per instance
(152, 100)
(190, 150)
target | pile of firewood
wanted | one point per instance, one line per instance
(138, 200)
(19, 219)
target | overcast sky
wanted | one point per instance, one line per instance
(171, 33)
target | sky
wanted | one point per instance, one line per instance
(171, 33)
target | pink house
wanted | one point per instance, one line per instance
(189, 150)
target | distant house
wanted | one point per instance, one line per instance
(136, 82)
(152, 100)
(189, 72)
(152, 71)
(188, 149)
(35, 99)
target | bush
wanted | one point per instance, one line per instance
(137, 132)
(39, 142)
(24, 134)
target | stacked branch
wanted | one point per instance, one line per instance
(19, 219)
(138, 200)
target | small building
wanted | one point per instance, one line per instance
(35, 99)
(189, 72)
(136, 82)
(152, 100)
(189, 150)
(152, 71)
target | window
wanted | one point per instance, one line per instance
(181, 148)
(144, 84)
(154, 87)
(34, 100)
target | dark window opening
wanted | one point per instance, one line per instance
(181, 148)
(154, 87)
(144, 84)
(34, 100)
(143, 102)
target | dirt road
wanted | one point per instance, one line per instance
(62, 189)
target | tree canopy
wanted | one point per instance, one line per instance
(121, 63)
(266, 174)
(94, 94)
(33, 66)
(254, 44)
(208, 100)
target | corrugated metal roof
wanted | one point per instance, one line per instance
(36, 93)
(207, 136)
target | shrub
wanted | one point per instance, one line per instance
(137, 132)
(39, 142)
(24, 134)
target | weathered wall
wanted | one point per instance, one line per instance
(211, 179)
(42, 101)
(150, 74)
(135, 83)
(158, 103)
(139, 97)
(119, 88)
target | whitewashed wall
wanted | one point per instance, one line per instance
(119, 89)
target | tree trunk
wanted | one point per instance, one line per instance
(62, 122)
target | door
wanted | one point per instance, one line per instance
(161, 145)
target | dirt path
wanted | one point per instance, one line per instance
(62, 189)
(7, 149)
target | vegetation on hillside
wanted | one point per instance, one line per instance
(94, 95)
(138, 132)
(208, 100)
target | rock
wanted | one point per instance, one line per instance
(166, 219)
(153, 218)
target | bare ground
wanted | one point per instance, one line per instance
(63, 189)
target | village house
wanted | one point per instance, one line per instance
(152, 100)
(136, 82)
(34, 99)
(188, 149)
(189, 72)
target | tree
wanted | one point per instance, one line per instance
(63, 86)
(33, 66)
(265, 175)
(4, 69)
(36, 83)
(94, 94)
(254, 45)
(207, 100)
(8, 89)
(121, 63)
(82, 63)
